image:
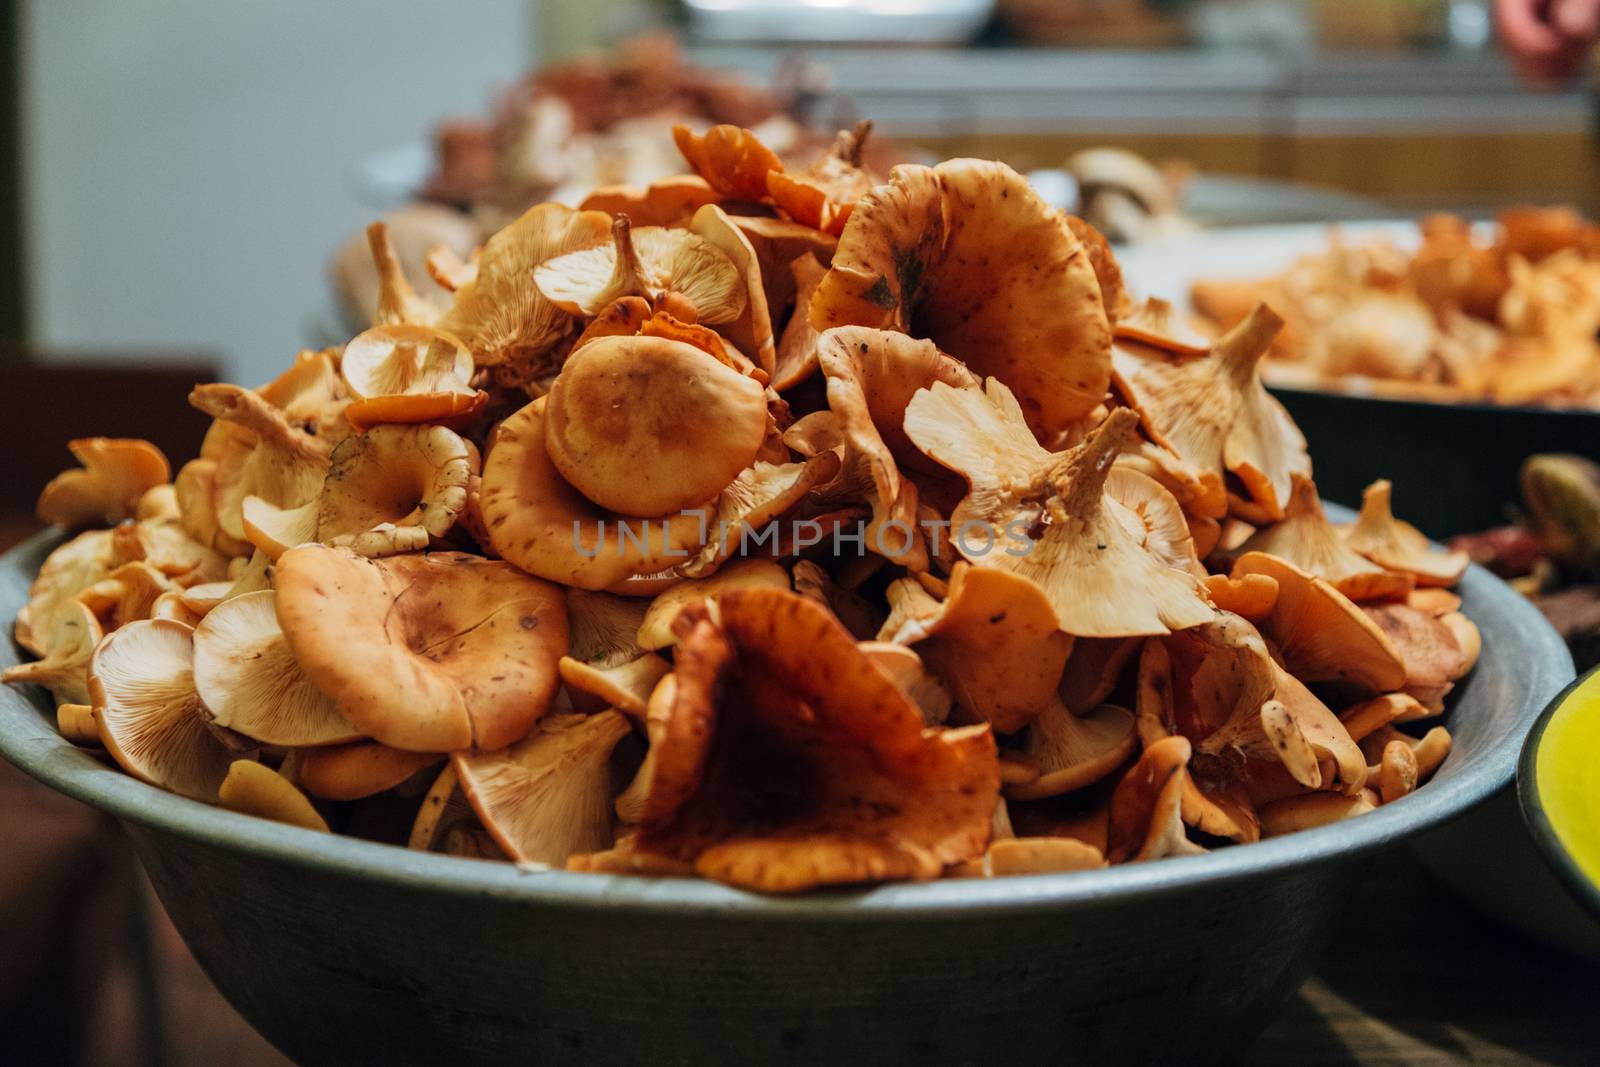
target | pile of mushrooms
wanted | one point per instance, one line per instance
(814, 529)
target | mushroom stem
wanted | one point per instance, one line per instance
(627, 276)
(851, 143)
(249, 409)
(395, 294)
(1078, 478)
(1242, 347)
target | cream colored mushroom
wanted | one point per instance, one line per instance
(1074, 751)
(394, 489)
(250, 682)
(750, 329)
(151, 720)
(251, 788)
(408, 374)
(70, 642)
(906, 669)
(1399, 546)
(650, 261)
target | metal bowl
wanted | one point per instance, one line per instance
(340, 950)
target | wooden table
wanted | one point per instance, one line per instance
(1415, 977)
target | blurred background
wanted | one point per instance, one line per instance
(177, 178)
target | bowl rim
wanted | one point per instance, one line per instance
(1583, 888)
(29, 740)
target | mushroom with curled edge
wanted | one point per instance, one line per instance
(786, 760)
(359, 769)
(825, 193)
(394, 489)
(865, 475)
(968, 256)
(906, 669)
(127, 594)
(251, 788)
(1157, 324)
(995, 643)
(1249, 596)
(407, 374)
(433, 652)
(795, 358)
(115, 474)
(605, 665)
(71, 567)
(69, 644)
(168, 548)
(1073, 751)
(1047, 516)
(750, 329)
(1114, 296)
(1216, 417)
(649, 262)
(1320, 634)
(1399, 546)
(732, 160)
(1146, 817)
(548, 796)
(501, 316)
(648, 427)
(537, 520)
(151, 720)
(664, 202)
(250, 682)
(778, 244)
(1434, 659)
(1305, 538)
(655, 629)
(1158, 519)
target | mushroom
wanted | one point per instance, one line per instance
(358, 770)
(864, 476)
(1215, 415)
(397, 301)
(1107, 271)
(968, 256)
(1397, 772)
(1320, 635)
(251, 788)
(1214, 799)
(731, 160)
(168, 548)
(447, 269)
(605, 665)
(399, 644)
(1305, 538)
(115, 474)
(1399, 546)
(71, 567)
(1157, 324)
(79, 724)
(1121, 192)
(502, 317)
(1310, 810)
(750, 329)
(1207, 683)
(655, 630)
(762, 492)
(1147, 807)
(1296, 721)
(1433, 658)
(1037, 855)
(1058, 526)
(408, 374)
(994, 643)
(1157, 519)
(623, 317)
(1074, 751)
(250, 682)
(1250, 596)
(786, 760)
(664, 202)
(539, 522)
(151, 719)
(1093, 670)
(825, 194)
(1369, 716)
(126, 594)
(650, 262)
(69, 642)
(1434, 600)
(906, 669)
(648, 427)
(796, 355)
(778, 243)
(394, 489)
(548, 796)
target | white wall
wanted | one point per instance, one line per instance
(184, 159)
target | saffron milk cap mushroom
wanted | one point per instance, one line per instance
(1399, 546)
(115, 474)
(1074, 751)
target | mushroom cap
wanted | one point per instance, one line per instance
(649, 261)
(1399, 546)
(500, 316)
(1157, 324)
(1046, 517)
(664, 202)
(1310, 810)
(1093, 670)
(1118, 168)
(819, 771)
(1074, 751)
(69, 642)
(1147, 806)
(906, 669)
(1305, 538)
(825, 194)
(357, 770)
(151, 718)
(796, 355)
(732, 160)
(273, 530)
(1159, 521)
(1321, 635)
(994, 642)
(284, 465)
(625, 687)
(1320, 731)
(254, 789)
(1207, 683)
(400, 360)
(778, 243)
(68, 570)
(249, 680)
(404, 476)
(968, 256)
(647, 426)
(400, 645)
(655, 629)
(539, 522)
(548, 796)
(115, 474)
(1428, 646)
(761, 493)
(750, 329)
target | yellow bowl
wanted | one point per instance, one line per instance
(1558, 782)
